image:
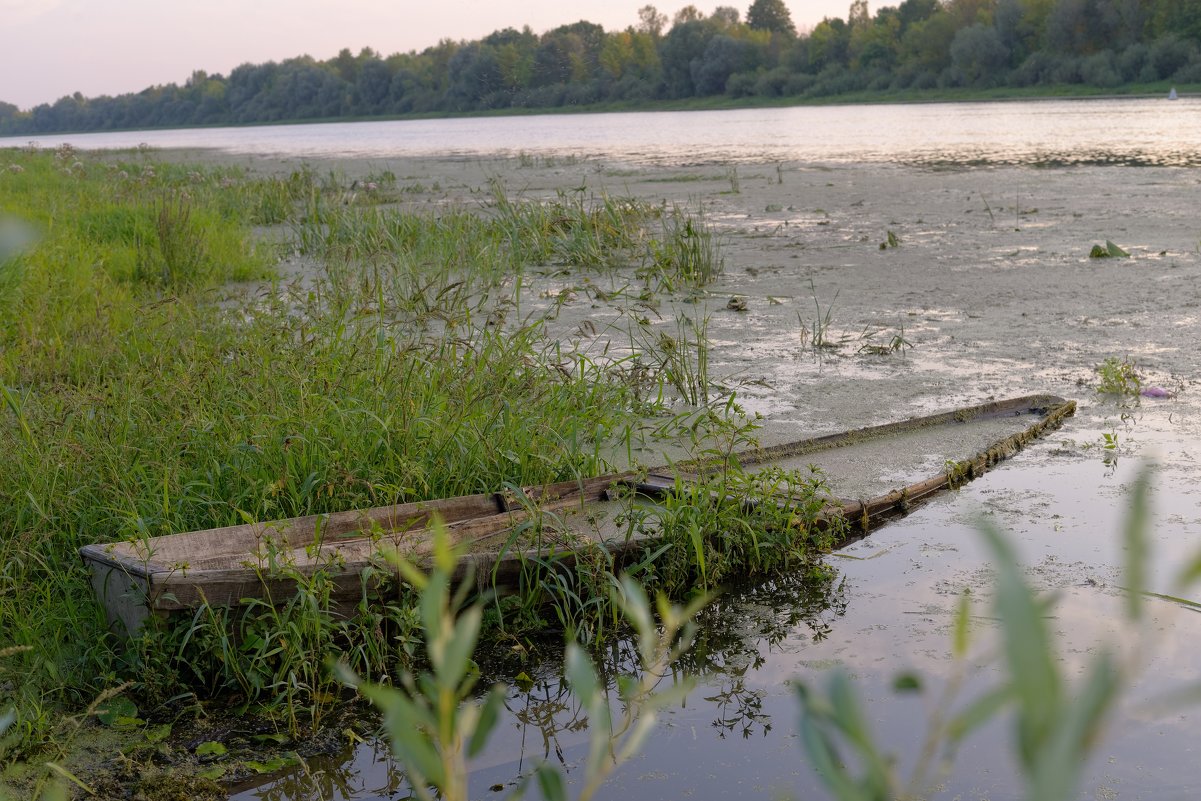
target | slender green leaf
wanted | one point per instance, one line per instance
(456, 659)
(643, 726)
(1192, 606)
(847, 711)
(818, 741)
(581, 675)
(1190, 573)
(1137, 544)
(71, 777)
(550, 782)
(979, 712)
(489, 717)
(1027, 648)
(961, 639)
(407, 726)
(1060, 763)
(1114, 251)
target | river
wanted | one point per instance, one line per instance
(1048, 132)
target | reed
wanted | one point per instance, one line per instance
(687, 252)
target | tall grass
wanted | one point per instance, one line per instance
(572, 229)
(686, 254)
(134, 405)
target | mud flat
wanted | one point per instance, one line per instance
(989, 281)
(983, 274)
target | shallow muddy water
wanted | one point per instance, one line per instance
(992, 287)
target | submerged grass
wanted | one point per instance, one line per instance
(139, 402)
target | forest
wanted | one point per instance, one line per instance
(918, 45)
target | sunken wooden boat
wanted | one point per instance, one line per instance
(874, 474)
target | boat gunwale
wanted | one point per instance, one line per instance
(864, 514)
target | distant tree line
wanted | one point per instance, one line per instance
(919, 44)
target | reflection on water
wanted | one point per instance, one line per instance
(1139, 132)
(542, 721)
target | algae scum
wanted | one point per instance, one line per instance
(615, 320)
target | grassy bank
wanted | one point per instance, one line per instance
(146, 393)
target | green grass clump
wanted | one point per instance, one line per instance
(1118, 377)
(734, 524)
(687, 253)
(572, 229)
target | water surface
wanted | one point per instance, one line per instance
(1094, 131)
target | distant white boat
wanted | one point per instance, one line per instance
(1172, 94)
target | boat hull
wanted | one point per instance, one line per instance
(265, 562)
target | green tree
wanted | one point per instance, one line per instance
(684, 44)
(725, 16)
(651, 21)
(927, 44)
(8, 113)
(723, 56)
(1177, 18)
(514, 54)
(770, 15)
(874, 44)
(979, 54)
(829, 44)
(914, 11)
(345, 64)
(630, 53)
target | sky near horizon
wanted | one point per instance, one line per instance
(52, 48)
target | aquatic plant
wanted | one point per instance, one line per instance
(687, 252)
(897, 343)
(680, 362)
(572, 229)
(732, 177)
(1118, 377)
(433, 720)
(741, 523)
(1109, 251)
(817, 334)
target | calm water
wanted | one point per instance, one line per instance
(1119, 131)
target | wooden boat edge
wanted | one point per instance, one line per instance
(128, 588)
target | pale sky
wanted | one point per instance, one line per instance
(51, 48)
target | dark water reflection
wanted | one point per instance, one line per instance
(543, 721)
(1139, 132)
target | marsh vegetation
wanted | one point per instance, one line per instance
(160, 374)
(384, 329)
